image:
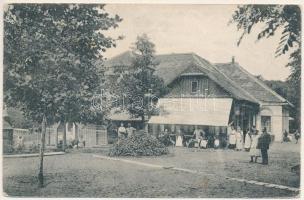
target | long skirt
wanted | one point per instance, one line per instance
(179, 141)
(247, 144)
(253, 150)
(239, 144)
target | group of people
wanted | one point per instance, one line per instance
(256, 144)
(288, 138)
(124, 133)
(201, 138)
(235, 138)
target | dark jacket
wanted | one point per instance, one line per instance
(264, 141)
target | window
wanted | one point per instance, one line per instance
(194, 86)
(266, 123)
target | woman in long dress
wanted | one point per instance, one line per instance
(232, 138)
(247, 144)
(239, 139)
(254, 152)
(179, 139)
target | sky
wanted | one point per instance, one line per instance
(201, 29)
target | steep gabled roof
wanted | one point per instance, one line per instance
(123, 59)
(233, 78)
(250, 83)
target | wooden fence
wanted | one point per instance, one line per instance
(92, 135)
(27, 137)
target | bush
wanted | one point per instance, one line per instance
(139, 145)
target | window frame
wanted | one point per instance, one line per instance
(197, 86)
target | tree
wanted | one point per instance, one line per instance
(17, 119)
(49, 56)
(139, 87)
(279, 19)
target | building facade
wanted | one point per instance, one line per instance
(211, 96)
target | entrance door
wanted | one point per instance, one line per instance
(266, 123)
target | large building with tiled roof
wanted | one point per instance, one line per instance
(210, 95)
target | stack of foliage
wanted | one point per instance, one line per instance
(139, 145)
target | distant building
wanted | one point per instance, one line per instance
(210, 96)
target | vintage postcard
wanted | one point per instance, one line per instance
(151, 100)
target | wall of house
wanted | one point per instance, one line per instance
(181, 87)
(279, 119)
(285, 119)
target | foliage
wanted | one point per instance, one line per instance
(280, 87)
(49, 55)
(140, 87)
(139, 145)
(17, 119)
(284, 18)
(287, 17)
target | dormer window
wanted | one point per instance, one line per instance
(194, 86)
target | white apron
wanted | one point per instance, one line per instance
(179, 141)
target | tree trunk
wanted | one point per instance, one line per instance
(42, 145)
(64, 143)
(143, 121)
(57, 136)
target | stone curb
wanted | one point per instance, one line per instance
(269, 185)
(282, 187)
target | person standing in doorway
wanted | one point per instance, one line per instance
(263, 143)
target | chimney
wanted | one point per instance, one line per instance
(233, 60)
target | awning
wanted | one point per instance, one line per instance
(193, 111)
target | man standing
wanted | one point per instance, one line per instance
(263, 143)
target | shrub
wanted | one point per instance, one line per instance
(139, 144)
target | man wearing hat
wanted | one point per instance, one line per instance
(263, 144)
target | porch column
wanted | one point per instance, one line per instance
(258, 122)
(74, 131)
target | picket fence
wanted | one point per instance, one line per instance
(92, 135)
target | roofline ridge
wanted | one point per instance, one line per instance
(127, 51)
(223, 63)
(262, 84)
(168, 54)
(235, 85)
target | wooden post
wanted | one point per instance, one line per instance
(42, 145)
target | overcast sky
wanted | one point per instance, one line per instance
(201, 29)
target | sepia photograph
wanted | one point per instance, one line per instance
(151, 100)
